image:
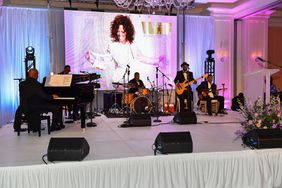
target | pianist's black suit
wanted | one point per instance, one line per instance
(33, 101)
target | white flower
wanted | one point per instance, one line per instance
(258, 124)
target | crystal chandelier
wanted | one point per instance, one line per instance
(152, 4)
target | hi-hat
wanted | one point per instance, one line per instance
(116, 84)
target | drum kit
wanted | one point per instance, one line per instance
(144, 101)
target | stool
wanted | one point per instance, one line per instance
(203, 106)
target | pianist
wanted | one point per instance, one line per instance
(33, 101)
(67, 70)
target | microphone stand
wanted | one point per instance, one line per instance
(153, 91)
(127, 102)
(157, 97)
(124, 92)
(91, 123)
(126, 122)
(268, 62)
(164, 76)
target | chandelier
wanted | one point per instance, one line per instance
(152, 4)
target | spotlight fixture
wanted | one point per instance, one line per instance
(29, 53)
(210, 52)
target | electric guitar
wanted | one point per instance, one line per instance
(181, 87)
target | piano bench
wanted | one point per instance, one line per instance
(42, 117)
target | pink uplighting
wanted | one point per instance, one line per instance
(222, 55)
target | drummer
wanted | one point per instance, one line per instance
(135, 85)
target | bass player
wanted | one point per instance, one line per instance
(183, 76)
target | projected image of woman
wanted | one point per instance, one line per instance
(122, 35)
(123, 51)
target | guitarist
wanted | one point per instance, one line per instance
(181, 76)
(208, 91)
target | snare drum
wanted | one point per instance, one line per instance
(141, 105)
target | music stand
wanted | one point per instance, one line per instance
(115, 107)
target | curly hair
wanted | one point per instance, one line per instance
(127, 25)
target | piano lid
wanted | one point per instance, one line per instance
(85, 77)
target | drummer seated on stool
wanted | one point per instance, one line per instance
(136, 84)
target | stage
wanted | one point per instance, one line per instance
(108, 141)
(123, 157)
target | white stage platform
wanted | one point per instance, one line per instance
(108, 141)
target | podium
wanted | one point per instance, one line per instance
(257, 84)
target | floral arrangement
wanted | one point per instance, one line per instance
(260, 115)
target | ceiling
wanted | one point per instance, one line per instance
(235, 8)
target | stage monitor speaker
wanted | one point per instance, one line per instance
(174, 142)
(185, 118)
(263, 138)
(67, 149)
(140, 120)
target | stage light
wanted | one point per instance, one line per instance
(210, 52)
(29, 51)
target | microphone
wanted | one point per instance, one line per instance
(157, 70)
(83, 72)
(260, 59)
(128, 66)
(170, 85)
(19, 79)
(148, 78)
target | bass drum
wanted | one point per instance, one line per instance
(141, 105)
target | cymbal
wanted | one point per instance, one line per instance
(116, 84)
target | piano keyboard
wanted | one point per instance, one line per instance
(64, 98)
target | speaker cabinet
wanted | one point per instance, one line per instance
(139, 120)
(67, 149)
(185, 118)
(263, 138)
(174, 142)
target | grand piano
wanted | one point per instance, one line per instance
(79, 93)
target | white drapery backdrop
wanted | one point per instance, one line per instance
(19, 28)
(199, 37)
(22, 27)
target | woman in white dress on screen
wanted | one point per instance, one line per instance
(123, 52)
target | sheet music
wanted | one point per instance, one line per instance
(58, 80)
